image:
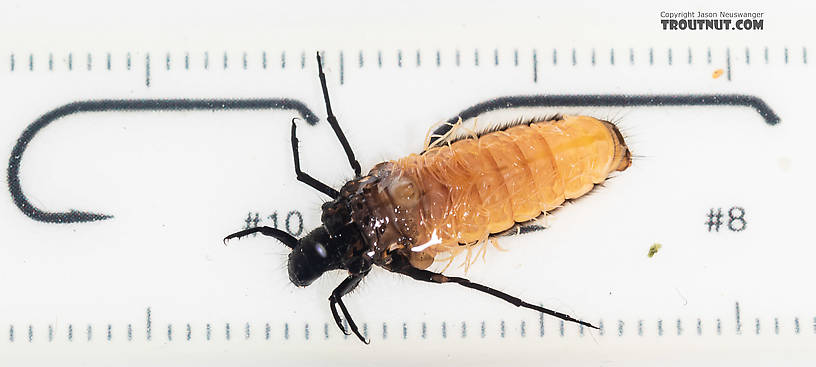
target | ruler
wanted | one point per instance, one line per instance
(128, 165)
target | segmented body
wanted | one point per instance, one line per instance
(457, 194)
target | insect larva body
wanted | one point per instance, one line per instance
(430, 203)
(405, 212)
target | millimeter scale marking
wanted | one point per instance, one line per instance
(501, 328)
(258, 60)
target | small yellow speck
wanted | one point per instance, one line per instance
(653, 250)
(717, 73)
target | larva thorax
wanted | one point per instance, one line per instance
(461, 192)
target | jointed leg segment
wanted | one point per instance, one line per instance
(336, 298)
(428, 276)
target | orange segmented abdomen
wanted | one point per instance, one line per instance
(472, 188)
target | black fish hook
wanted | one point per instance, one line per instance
(75, 216)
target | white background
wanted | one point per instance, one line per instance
(177, 182)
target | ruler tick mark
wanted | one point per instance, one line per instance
(246, 331)
(592, 58)
(379, 59)
(167, 61)
(268, 331)
(226, 61)
(457, 58)
(747, 56)
(438, 59)
(206, 60)
(148, 324)
(227, 330)
(70, 332)
(306, 331)
(640, 328)
(620, 327)
(495, 57)
(611, 56)
(186, 61)
(561, 328)
(631, 56)
(444, 330)
(147, 83)
(737, 313)
(483, 329)
(766, 55)
(360, 60)
(399, 58)
(283, 59)
(601, 330)
(342, 69)
(50, 62)
(756, 326)
(515, 57)
(108, 61)
(418, 59)
(424, 330)
(302, 59)
(719, 327)
(670, 56)
(128, 61)
(689, 56)
(786, 55)
(405, 330)
(501, 329)
(651, 56)
(476, 57)
(804, 55)
(169, 332)
(89, 62)
(699, 327)
(70, 61)
(384, 331)
(110, 332)
(30, 62)
(130, 332)
(776, 325)
(464, 330)
(523, 327)
(679, 327)
(209, 332)
(574, 59)
(728, 63)
(286, 331)
(50, 333)
(796, 325)
(244, 60)
(11, 62)
(535, 67)
(708, 55)
(659, 327)
(555, 57)
(263, 60)
(189, 332)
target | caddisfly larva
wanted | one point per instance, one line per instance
(455, 195)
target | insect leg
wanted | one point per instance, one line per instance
(305, 177)
(333, 121)
(282, 236)
(428, 276)
(336, 298)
